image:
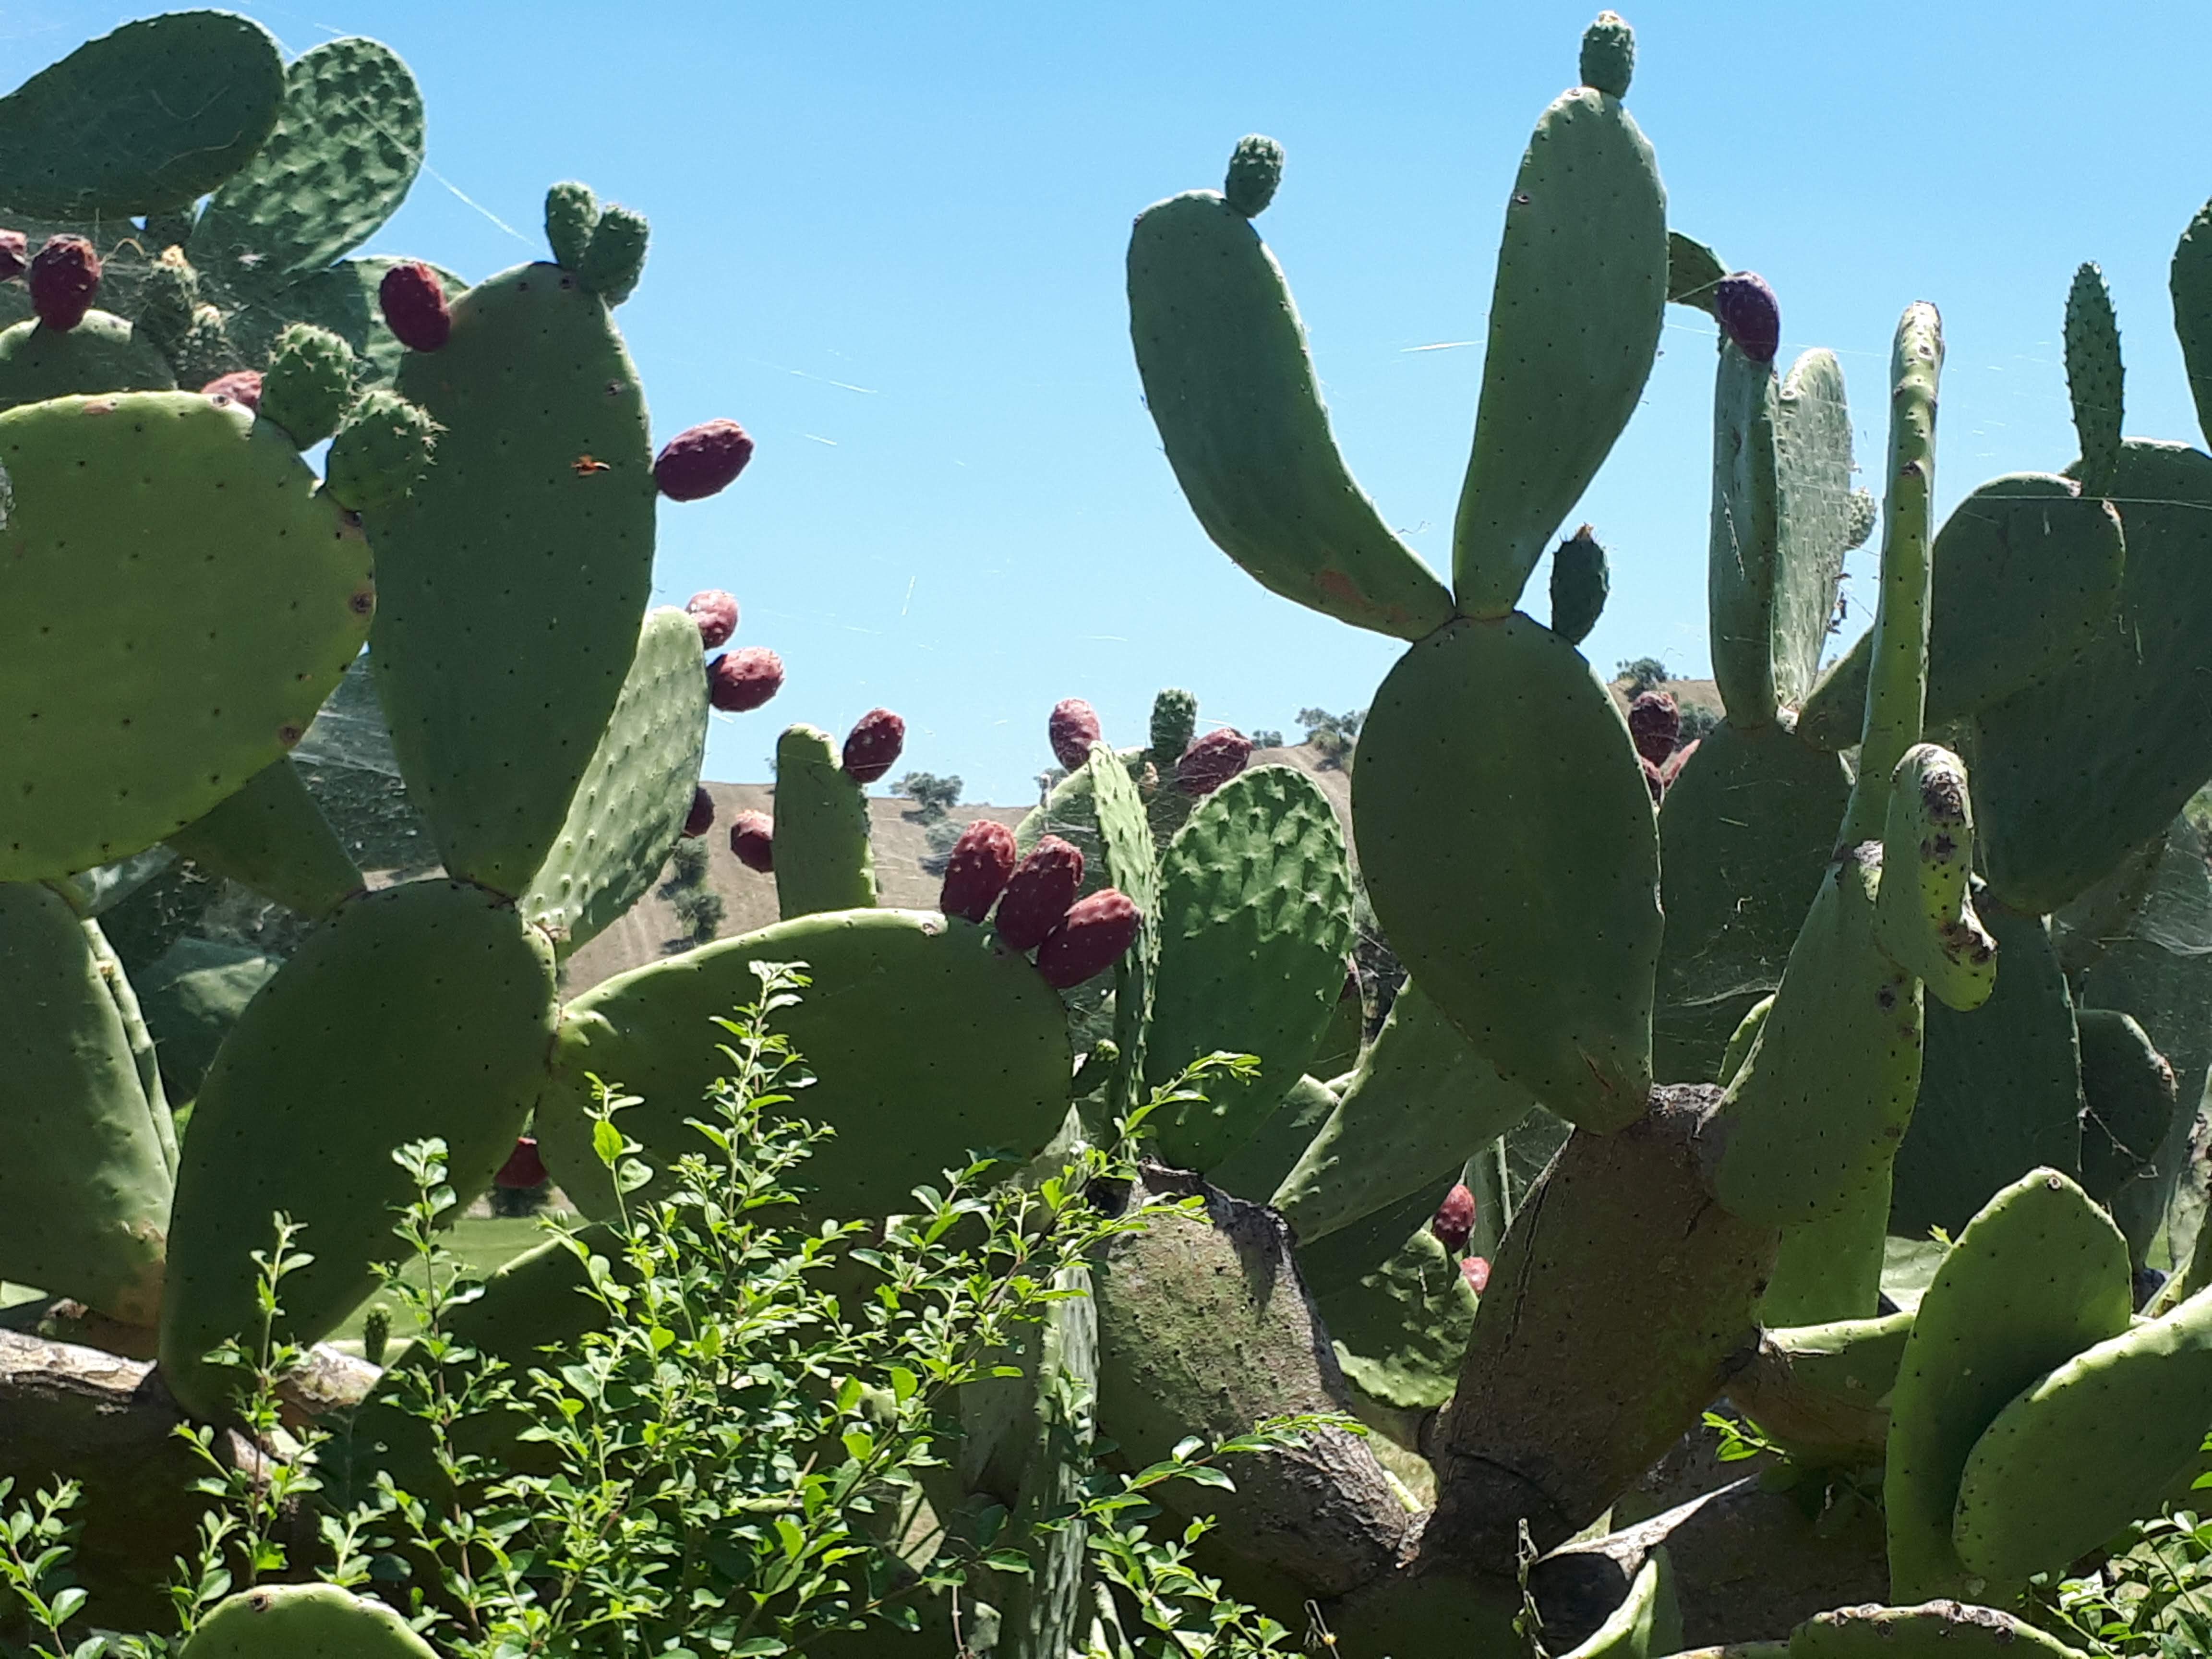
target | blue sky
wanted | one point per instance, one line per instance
(889, 240)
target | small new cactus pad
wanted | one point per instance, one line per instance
(700, 818)
(615, 258)
(1072, 729)
(100, 353)
(164, 531)
(1038, 893)
(925, 1041)
(413, 301)
(1815, 517)
(637, 794)
(84, 1187)
(2097, 1444)
(169, 294)
(2129, 1091)
(1935, 1630)
(129, 123)
(1923, 915)
(1574, 326)
(308, 384)
(716, 613)
(511, 535)
(1256, 169)
(740, 681)
(977, 870)
(824, 861)
(701, 461)
(572, 213)
(1580, 582)
(2095, 380)
(1608, 59)
(1743, 537)
(1227, 377)
(304, 1618)
(1557, 998)
(1090, 938)
(1454, 1217)
(1212, 761)
(1173, 724)
(1255, 918)
(63, 277)
(379, 454)
(1655, 721)
(1694, 272)
(1422, 1100)
(752, 839)
(347, 144)
(425, 1009)
(2039, 1275)
(272, 836)
(1749, 314)
(873, 745)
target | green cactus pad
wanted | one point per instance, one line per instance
(1692, 271)
(158, 112)
(1747, 833)
(2028, 571)
(1128, 854)
(1830, 1269)
(1574, 326)
(1821, 1392)
(2039, 1275)
(2000, 1090)
(303, 1619)
(1648, 1623)
(1608, 59)
(84, 1188)
(631, 804)
(2095, 379)
(191, 995)
(1421, 1100)
(1580, 582)
(1815, 517)
(572, 213)
(422, 1010)
(822, 857)
(272, 836)
(1935, 1630)
(343, 300)
(100, 353)
(1257, 1167)
(1254, 920)
(2189, 282)
(1741, 556)
(1400, 1328)
(513, 578)
(615, 258)
(926, 1039)
(1230, 384)
(1173, 724)
(345, 149)
(2130, 1092)
(379, 454)
(141, 1039)
(308, 384)
(1923, 915)
(1742, 1040)
(1538, 933)
(1255, 171)
(196, 600)
(2062, 799)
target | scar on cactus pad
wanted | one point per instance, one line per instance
(716, 613)
(64, 276)
(872, 746)
(752, 838)
(981, 864)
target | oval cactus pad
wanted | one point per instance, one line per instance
(197, 599)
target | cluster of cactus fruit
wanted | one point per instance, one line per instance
(1690, 1032)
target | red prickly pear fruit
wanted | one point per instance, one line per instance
(1090, 939)
(64, 276)
(1212, 762)
(1654, 780)
(524, 1169)
(716, 613)
(701, 461)
(1072, 728)
(752, 838)
(1654, 722)
(977, 871)
(1476, 1272)
(1747, 310)
(240, 385)
(414, 303)
(1038, 893)
(872, 746)
(1671, 769)
(743, 680)
(1454, 1220)
(14, 255)
(701, 818)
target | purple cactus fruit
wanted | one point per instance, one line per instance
(1090, 939)
(1654, 780)
(701, 818)
(64, 276)
(1212, 762)
(240, 385)
(1750, 313)
(1454, 1220)
(14, 255)
(523, 1168)
(702, 460)
(752, 838)
(1039, 893)
(976, 873)
(872, 746)
(1671, 768)
(1072, 729)
(1654, 722)
(716, 613)
(743, 680)
(1476, 1272)
(414, 303)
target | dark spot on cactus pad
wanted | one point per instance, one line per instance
(64, 276)
(1476, 1272)
(1943, 846)
(1654, 722)
(701, 461)
(716, 613)
(1943, 791)
(1039, 893)
(14, 255)
(873, 745)
(1750, 315)
(977, 870)
(524, 1169)
(743, 680)
(240, 385)
(1072, 729)
(286, 734)
(1887, 997)
(1212, 761)
(413, 300)
(1453, 1221)
(701, 818)
(1090, 939)
(363, 599)
(752, 838)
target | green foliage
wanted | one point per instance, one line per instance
(2151, 1594)
(1640, 674)
(701, 911)
(931, 795)
(1333, 735)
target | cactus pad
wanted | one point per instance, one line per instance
(308, 385)
(272, 836)
(1580, 582)
(1816, 515)
(1400, 1324)
(1741, 561)
(100, 353)
(2095, 379)
(823, 859)
(303, 1619)
(1923, 915)
(1935, 1630)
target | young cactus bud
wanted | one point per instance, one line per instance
(1863, 513)
(1476, 1272)
(1175, 723)
(1212, 761)
(413, 300)
(168, 293)
(873, 745)
(1608, 55)
(716, 613)
(376, 1333)
(1654, 723)
(1454, 1222)
(1749, 314)
(1255, 170)
(308, 384)
(752, 838)
(384, 447)
(523, 1168)
(615, 258)
(241, 386)
(1090, 938)
(572, 213)
(1072, 730)
(14, 255)
(981, 862)
(701, 818)
(64, 276)
(1039, 893)
(701, 461)
(743, 680)
(1580, 582)
(2094, 379)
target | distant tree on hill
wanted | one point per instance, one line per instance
(1267, 738)
(1642, 674)
(1333, 735)
(931, 795)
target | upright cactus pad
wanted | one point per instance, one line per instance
(2095, 382)
(572, 214)
(823, 859)
(272, 836)
(1580, 582)
(278, 1620)
(1739, 565)
(1815, 517)
(2189, 282)
(1126, 850)
(308, 386)
(1924, 917)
